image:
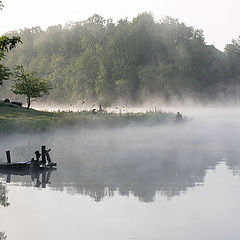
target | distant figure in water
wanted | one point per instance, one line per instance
(94, 111)
(179, 117)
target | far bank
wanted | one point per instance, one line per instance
(15, 119)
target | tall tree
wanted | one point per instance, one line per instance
(99, 60)
(232, 51)
(29, 84)
(6, 44)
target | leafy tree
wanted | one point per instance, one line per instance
(29, 84)
(98, 60)
(233, 55)
(6, 44)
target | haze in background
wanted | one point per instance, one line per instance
(176, 181)
(218, 19)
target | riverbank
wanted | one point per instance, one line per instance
(18, 119)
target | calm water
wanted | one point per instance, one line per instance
(164, 182)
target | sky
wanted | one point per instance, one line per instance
(219, 19)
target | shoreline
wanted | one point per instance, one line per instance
(14, 119)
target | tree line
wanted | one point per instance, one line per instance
(23, 82)
(103, 61)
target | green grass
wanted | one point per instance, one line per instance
(18, 119)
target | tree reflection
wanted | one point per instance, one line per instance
(142, 169)
(168, 175)
(3, 195)
(2, 236)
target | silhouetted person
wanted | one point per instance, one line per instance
(38, 155)
(48, 155)
(179, 117)
(94, 111)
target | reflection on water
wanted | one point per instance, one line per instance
(3, 195)
(166, 160)
(38, 178)
(100, 173)
(2, 236)
(121, 170)
(205, 213)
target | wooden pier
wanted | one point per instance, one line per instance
(36, 168)
(32, 165)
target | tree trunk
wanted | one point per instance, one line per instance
(28, 102)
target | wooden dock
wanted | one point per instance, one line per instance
(33, 165)
(36, 168)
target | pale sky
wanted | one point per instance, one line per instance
(219, 19)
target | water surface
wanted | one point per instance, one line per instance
(162, 182)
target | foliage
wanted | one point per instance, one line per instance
(103, 61)
(233, 53)
(1, 5)
(18, 119)
(29, 84)
(6, 44)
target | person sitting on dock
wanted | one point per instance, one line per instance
(38, 155)
(34, 164)
(94, 111)
(48, 155)
(179, 117)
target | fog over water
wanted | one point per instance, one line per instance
(174, 181)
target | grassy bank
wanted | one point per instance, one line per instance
(18, 119)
